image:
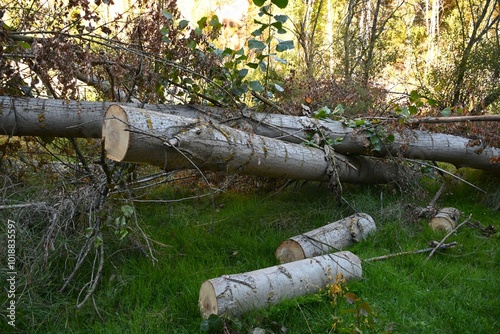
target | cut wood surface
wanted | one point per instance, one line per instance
(445, 219)
(172, 143)
(326, 239)
(239, 293)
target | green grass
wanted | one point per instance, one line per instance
(456, 291)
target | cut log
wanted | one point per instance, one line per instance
(445, 220)
(239, 293)
(326, 239)
(172, 143)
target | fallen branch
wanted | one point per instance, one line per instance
(446, 237)
(24, 205)
(435, 246)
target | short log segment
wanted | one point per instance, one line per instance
(326, 239)
(172, 143)
(239, 293)
(445, 219)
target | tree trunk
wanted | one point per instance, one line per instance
(411, 144)
(328, 238)
(239, 293)
(173, 142)
(57, 118)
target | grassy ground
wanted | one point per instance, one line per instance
(454, 292)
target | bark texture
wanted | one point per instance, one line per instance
(239, 293)
(173, 142)
(326, 239)
(59, 118)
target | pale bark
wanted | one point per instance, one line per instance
(411, 144)
(328, 238)
(173, 142)
(239, 293)
(445, 219)
(61, 118)
(58, 118)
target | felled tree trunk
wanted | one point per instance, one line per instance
(445, 219)
(326, 239)
(59, 118)
(239, 293)
(173, 142)
(411, 144)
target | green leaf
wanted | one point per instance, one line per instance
(256, 86)
(281, 18)
(280, 3)
(243, 73)
(413, 110)
(391, 138)
(285, 45)
(414, 96)
(446, 112)
(201, 22)
(279, 88)
(253, 65)
(257, 32)
(322, 113)
(259, 2)
(432, 102)
(183, 24)
(280, 60)
(255, 44)
(214, 22)
(127, 210)
(168, 15)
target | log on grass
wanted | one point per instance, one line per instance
(328, 238)
(239, 293)
(173, 143)
(445, 219)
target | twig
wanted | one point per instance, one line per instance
(419, 251)
(446, 172)
(446, 237)
(25, 205)
(95, 280)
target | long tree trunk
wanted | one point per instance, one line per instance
(57, 118)
(173, 142)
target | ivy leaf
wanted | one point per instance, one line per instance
(279, 88)
(243, 73)
(127, 210)
(255, 44)
(446, 112)
(280, 3)
(281, 18)
(285, 45)
(414, 96)
(256, 86)
(183, 24)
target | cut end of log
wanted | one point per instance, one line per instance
(116, 138)
(289, 250)
(207, 300)
(445, 220)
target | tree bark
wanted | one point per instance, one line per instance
(172, 142)
(58, 118)
(328, 238)
(239, 293)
